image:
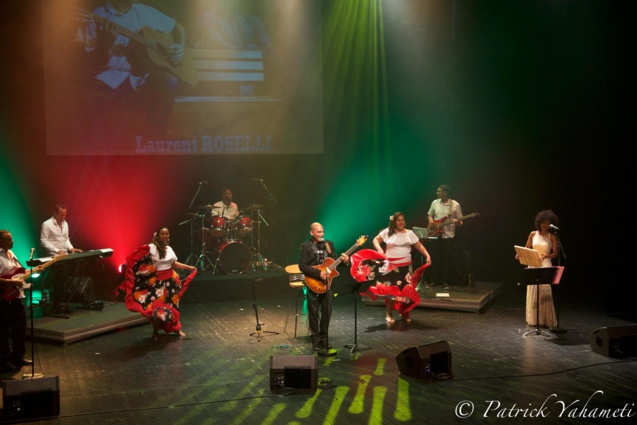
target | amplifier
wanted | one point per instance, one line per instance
(298, 372)
(31, 398)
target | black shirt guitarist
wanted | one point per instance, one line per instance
(315, 257)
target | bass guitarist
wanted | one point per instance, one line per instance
(442, 211)
(13, 318)
(313, 254)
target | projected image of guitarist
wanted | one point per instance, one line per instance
(316, 261)
(444, 215)
(13, 318)
(137, 58)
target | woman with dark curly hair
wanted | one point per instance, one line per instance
(153, 287)
(545, 243)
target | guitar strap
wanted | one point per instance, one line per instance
(329, 250)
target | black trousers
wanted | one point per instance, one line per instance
(441, 251)
(13, 326)
(319, 312)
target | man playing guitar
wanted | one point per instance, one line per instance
(441, 211)
(13, 318)
(313, 253)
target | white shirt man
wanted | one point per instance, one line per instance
(54, 234)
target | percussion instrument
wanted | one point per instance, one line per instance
(219, 226)
(233, 257)
(242, 226)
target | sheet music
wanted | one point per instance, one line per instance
(528, 257)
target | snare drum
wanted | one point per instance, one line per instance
(218, 227)
(233, 257)
(243, 225)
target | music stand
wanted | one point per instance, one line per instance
(356, 346)
(540, 276)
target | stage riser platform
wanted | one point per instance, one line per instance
(462, 298)
(80, 324)
(209, 287)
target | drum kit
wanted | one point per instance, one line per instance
(223, 238)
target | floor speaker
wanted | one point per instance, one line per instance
(298, 372)
(31, 398)
(424, 361)
(617, 342)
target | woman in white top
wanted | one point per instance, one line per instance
(545, 243)
(152, 286)
(399, 242)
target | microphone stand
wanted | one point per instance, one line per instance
(258, 331)
(33, 375)
(561, 253)
(192, 258)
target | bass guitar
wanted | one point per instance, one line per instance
(11, 291)
(156, 44)
(320, 286)
(436, 228)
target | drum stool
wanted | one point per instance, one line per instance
(297, 284)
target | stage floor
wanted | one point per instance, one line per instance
(220, 372)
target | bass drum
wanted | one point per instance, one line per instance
(233, 257)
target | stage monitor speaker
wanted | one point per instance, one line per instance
(617, 342)
(431, 360)
(31, 398)
(298, 372)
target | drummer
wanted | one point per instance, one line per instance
(226, 208)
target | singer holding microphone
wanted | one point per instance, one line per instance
(544, 241)
(13, 318)
(314, 251)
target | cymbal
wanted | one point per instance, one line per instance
(205, 207)
(195, 214)
(253, 207)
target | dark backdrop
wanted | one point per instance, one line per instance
(509, 102)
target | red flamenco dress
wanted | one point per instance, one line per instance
(155, 294)
(368, 264)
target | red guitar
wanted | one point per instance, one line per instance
(329, 266)
(436, 228)
(11, 291)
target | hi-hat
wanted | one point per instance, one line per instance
(205, 207)
(253, 207)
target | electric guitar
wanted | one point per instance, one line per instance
(319, 286)
(156, 44)
(11, 291)
(436, 228)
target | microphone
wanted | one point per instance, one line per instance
(204, 182)
(551, 226)
(31, 255)
(257, 180)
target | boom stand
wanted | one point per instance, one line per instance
(557, 329)
(356, 346)
(258, 257)
(538, 276)
(33, 375)
(204, 262)
(258, 332)
(192, 257)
